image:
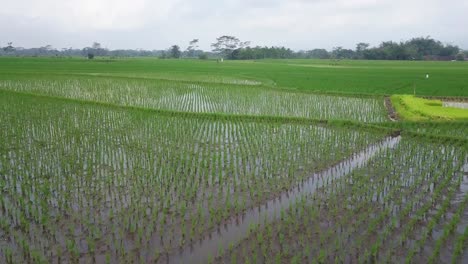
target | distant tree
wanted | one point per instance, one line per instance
(47, 50)
(318, 54)
(67, 51)
(9, 48)
(425, 46)
(203, 56)
(193, 45)
(336, 52)
(339, 53)
(225, 45)
(413, 49)
(90, 52)
(411, 52)
(449, 50)
(391, 50)
(175, 52)
(163, 55)
(231, 47)
(244, 44)
(96, 50)
(361, 47)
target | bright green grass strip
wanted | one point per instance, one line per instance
(413, 108)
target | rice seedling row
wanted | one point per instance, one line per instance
(83, 183)
(375, 213)
(175, 161)
(272, 210)
(206, 98)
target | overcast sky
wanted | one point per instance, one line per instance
(298, 24)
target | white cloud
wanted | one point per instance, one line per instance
(76, 15)
(300, 24)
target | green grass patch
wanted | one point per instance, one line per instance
(413, 108)
(324, 76)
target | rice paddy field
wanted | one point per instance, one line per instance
(187, 161)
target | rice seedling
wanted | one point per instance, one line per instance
(200, 167)
(206, 98)
(388, 201)
(97, 173)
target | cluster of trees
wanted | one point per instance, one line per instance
(192, 51)
(414, 49)
(94, 50)
(422, 48)
(230, 47)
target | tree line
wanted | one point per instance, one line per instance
(421, 48)
(230, 47)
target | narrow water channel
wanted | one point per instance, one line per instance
(238, 226)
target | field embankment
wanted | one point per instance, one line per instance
(414, 108)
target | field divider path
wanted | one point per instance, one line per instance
(392, 114)
(237, 227)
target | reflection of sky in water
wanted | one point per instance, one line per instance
(238, 227)
(463, 105)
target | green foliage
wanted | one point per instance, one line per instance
(203, 56)
(175, 52)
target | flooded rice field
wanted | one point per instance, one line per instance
(104, 184)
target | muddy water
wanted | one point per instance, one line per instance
(447, 252)
(462, 105)
(237, 227)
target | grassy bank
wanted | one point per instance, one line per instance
(413, 108)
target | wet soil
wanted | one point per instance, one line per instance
(392, 114)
